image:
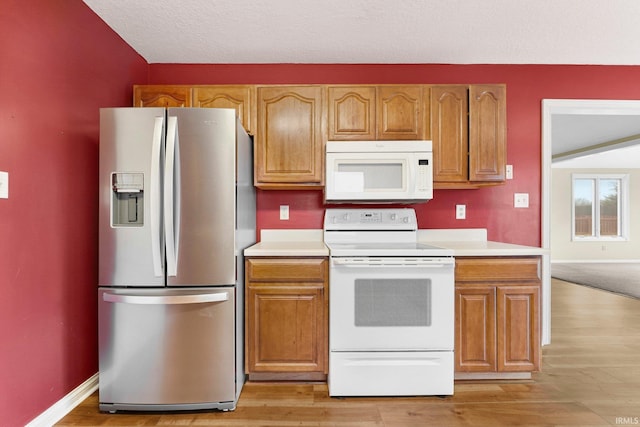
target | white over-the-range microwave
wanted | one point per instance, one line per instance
(379, 171)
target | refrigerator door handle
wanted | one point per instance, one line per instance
(156, 197)
(170, 175)
(165, 299)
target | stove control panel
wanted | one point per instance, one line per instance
(370, 219)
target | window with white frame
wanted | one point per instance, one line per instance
(600, 206)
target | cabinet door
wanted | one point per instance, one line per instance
(399, 112)
(487, 133)
(352, 113)
(161, 96)
(518, 309)
(475, 343)
(449, 127)
(237, 97)
(290, 137)
(286, 328)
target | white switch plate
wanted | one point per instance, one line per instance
(509, 171)
(284, 212)
(521, 200)
(461, 211)
(4, 185)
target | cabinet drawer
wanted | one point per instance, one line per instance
(286, 269)
(497, 269)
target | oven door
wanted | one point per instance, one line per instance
(391, 304)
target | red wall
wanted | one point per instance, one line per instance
(490, 208)
(58, 64)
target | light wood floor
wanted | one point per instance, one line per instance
(590, 377)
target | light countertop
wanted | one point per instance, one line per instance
(464, 242)
(299, 242)
(488, 248)
(473, 242)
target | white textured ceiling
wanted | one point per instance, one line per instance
(378, 31)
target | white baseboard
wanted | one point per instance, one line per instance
(63, 406)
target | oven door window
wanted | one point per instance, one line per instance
(394, 303)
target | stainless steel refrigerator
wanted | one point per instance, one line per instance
(177, 209)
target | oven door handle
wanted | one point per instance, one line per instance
(394, 262)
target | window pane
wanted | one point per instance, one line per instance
(609, 210)
(583, 205)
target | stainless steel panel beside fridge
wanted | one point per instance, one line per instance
(177, 209)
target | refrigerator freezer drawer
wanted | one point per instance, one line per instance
(167, 349)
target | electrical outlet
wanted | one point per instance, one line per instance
(461, 211)
(4, 185)
(284, 212)
(509, 171)
(521, 200)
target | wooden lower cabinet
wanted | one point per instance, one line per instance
(286, 319)
(497, 316)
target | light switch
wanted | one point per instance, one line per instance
(4, 185)
(509, 171)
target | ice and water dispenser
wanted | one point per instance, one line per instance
(127, 199)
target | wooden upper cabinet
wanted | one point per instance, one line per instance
(449, 133)
(487, 132)
(387, 112)
(161, 96)
(468, 129)
(399, 112)
(466, 123)
(352, 112)
(240, 98)
(290, 136)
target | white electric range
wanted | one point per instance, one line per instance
(391, 306)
